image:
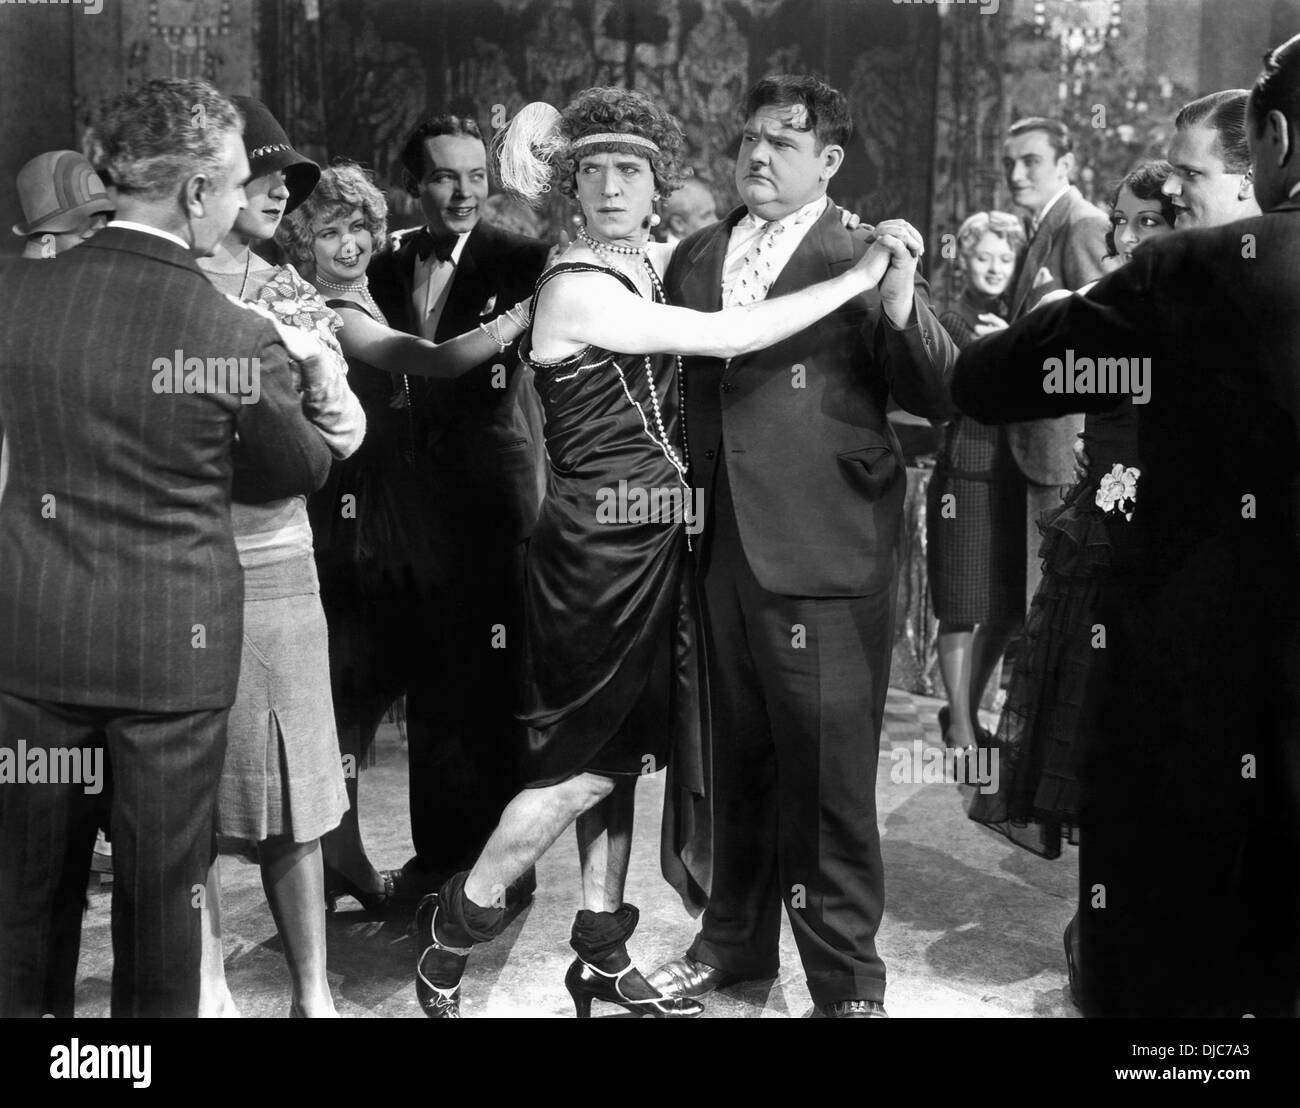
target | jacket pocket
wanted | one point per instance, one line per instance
(870, 469)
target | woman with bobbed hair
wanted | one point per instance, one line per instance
(611, 688)
(366, 546)
(975, 546)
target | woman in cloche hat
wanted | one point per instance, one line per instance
(282, 785)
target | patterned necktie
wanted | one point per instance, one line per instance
(756, 271)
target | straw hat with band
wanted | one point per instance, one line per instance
(268, 149)
(59, 190)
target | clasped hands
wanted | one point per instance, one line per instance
(890, 261)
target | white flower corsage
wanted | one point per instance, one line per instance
(1118, 490)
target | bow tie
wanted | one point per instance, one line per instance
(426, 243)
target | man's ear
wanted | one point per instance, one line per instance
(832, 157)
(195, 193)
(677, 224)
(1246, 190)
(1278, 131)
(1067, 160)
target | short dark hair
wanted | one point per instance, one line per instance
(1277, 88)
(412, 156)
(1146, 183)
(1224, 112)
(1058, 134)
(827, 107)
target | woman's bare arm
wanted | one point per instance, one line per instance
(397, 352)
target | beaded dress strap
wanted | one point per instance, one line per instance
(582, 267)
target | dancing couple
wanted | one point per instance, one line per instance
(804, 486)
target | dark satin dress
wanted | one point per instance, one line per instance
(612, 668)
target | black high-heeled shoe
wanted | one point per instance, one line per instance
(586, 983)
(377, 902)
(945, 719)
(437, 962)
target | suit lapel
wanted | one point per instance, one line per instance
(405, 262)
(701, 284)
(1040, 249)
(468, 290)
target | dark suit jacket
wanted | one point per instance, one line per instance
(1070, 245)
(1204, 576)
(484, 441)
(816, 472)
(115, 533)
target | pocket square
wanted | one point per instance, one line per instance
(1043, 277)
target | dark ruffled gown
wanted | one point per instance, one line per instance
(613, 679)
(1041, 736)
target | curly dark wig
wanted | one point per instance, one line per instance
(596, 110)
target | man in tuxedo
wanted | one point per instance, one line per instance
(1190, 786)
(1067, 242)
(804, 481)
(480, 445)
(121, 601)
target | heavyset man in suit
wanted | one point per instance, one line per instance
(479, 444)
(1190, 812)
(121, 601)
(803, 483)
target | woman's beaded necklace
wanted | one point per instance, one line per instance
(682, 461)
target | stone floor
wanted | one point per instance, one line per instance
(972, 924)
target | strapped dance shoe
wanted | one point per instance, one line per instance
(586, 983)
(437, 963)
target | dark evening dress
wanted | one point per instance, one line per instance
(612, 680)
(1042, 732)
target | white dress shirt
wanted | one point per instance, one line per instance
(430, 283)
(747, 231)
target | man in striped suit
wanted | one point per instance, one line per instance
(133, 396)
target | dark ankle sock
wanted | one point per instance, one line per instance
(600, 938)
(462, 923)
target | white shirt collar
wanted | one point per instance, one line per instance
(126, 224)
(1037, 221)
(812, 210)
(1294, 189)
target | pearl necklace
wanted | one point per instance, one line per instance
(597, 245)
(681, 463)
